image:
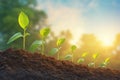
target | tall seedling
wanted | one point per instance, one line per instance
(23, 22)
(53, 51)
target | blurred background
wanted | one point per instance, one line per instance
(92, 25)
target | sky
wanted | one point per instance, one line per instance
(100, 17)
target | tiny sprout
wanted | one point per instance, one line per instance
(105, 62)
(69, 56)
(23, 22)
(40, 43)
(94, 56)
(54, 51)
(82, 59)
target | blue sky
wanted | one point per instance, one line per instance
(100, 17)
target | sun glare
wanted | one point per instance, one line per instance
(106, 41)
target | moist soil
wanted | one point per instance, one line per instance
(23, 65)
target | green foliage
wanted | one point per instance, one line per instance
(15, 37)
(73, 48)
(35, 45)
(60, 41)
(105, 62)
(67, 57)
(23, 20)
(82, 59)
(53, 51)
(94, 56)
(44, 32)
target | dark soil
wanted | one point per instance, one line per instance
(22, 65)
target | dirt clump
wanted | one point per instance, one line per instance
(23, 65)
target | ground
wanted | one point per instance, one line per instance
(23, 65)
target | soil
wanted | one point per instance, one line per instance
(23, 65)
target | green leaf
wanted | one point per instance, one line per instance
(84, 54)
(80, 60)
(35, 45)
(53, 51)
(107, 60)
(60, 41)
(27, 34)
(95, 55)
(23, 20)
(67, 57)
(91, 64)
(44, 32)
(73, 47)
(14, 37)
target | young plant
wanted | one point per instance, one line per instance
(54, 51)
(40, 43)
(23, 22)
(94, 56)
(82, 59)
(105, 62)
(69, 56)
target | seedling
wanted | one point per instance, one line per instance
(54, 51)
(23, 22)
(41, 43)
(94, 56)
(69, 56)
(82, 59)
(105, 62)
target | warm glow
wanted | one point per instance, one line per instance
(106, 41)
(73, 42)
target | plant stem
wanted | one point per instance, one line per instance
(72, 56)
(58, 55)
(24, 39)
(43, 46)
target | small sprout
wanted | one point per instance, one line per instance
(67, 57)
(94, 56)
(23, 22)
(73, 48)
(80, 60)
(105, 62)
(44, 34)
(54, 51)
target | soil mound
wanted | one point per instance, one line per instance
(23, 65)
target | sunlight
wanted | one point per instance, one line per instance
(106, 41)
(73, 42)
